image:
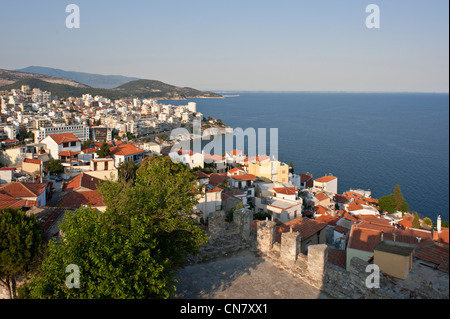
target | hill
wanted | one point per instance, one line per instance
(9, 77)
(139, 88)
(153, 88)
(90, 79)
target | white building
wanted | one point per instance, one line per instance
(327, 183)
(65, 147)
(80, 131)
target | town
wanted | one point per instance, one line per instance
(55, 152)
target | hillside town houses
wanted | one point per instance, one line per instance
(39, 128)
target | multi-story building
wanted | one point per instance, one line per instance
(80, 131)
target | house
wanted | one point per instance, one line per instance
(310, 232)
(6, 174)
(282, 210)
(210, 201)
(32, 166)
(359, 208)
(34, 193)
(126, 152)
(231, 199)
(328, 183)
(218, 161)
(242, 181)
(289, 193)
(65, 146)
(394, 258)
(306, 181)
(188, 157)
(268, 170)
(235, 156)
(81, 190)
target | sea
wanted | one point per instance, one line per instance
(370, 141)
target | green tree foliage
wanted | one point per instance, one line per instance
(20, 242)
(104, 150)
(134, 248)
(416, 221)
(427, 221)
(87, 143)
(55, 167)
(387, 203)
(393, 202)
(23, 133)
(127, 171)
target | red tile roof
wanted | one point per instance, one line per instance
(329, 220)
(341, 198)
(286, 190)
(435, 253)
(244, 177)
(32, 161)
(125, 150)
(305, 226)
(63, 138)
(337, 257)
(304, 178)
(82, 180)
(217, 178)
(325, 179)
(22, 189)
(77, 199)
(319, 209)
(68, 153)
(321, 196)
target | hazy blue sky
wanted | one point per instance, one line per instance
(238, 44)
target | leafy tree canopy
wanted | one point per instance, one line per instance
(133, 249)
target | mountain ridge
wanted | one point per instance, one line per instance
(64, 88)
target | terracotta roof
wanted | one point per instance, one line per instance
(201, 174)
(68, 153)
(22, 189)
(435, 253)
(325, 179)
(353, 194)
(353, 206)
(235, 170)
(82, 180)
(305, 226)
(319, 209)
(63, 138)
(406, 222)
(341, 198)
(365, 236)
(32, 161)
(375, 220)
(304, 178)
(217, 178)
(321, 196)
(259, 158)
(244, 177)
(329, 220)
(77, 199)
(337, 257)
(286, 190)
(211, 188)
(125, 150)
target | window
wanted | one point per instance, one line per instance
(73, 143)
(65, 144)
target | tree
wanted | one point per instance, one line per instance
(55, 167)
(104, 150)
(20, 242)
(134, 248)
(127, 171)
(87, 143)
(387, 204)
(427, 221)
(398, 198)
(416, 221)
(291, 167)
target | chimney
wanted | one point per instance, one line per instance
(438, 226)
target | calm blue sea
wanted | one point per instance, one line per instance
(368, 140)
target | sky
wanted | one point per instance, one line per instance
(242, 45)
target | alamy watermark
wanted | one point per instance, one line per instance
(73, 19)
(373, 19)
(73, 280)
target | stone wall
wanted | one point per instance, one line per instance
(227, 238)
(338, 282)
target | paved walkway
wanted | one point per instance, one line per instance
(242, 276)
